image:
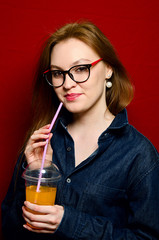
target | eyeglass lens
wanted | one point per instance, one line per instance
(78, 73)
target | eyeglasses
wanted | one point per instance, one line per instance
(78, 73)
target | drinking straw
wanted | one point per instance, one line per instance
(46, 145)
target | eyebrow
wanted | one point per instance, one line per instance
(80, 61)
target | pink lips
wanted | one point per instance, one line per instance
(72, 96)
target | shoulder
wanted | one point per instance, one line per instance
(128, 138)
(139, 141)
(127, 135)
(145, 158)
(136, 149)
(141, 149)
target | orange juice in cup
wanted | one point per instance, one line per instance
(46, 194)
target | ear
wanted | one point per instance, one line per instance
(109, 72)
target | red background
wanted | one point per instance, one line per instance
(132, 27)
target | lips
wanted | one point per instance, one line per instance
(72, 96)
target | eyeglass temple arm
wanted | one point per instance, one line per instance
(46, 71)
(91, 64)
(96, 61)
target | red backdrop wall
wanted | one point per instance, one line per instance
(132, 27)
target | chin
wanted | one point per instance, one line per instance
(75, 109)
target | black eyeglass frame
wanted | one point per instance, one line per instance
(70, 75)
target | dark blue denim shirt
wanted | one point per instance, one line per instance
(111, 195)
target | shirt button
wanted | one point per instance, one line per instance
(68, 180)
(68, 149)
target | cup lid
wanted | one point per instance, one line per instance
(50, 172)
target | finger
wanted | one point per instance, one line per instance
(31, 148)
(39, 136)
(46, 222)
(43, 130)
(46, 126)
(50, 136)
(43, 209)
(37, 145)
(38, 231)
(46, 214)
(41, 225)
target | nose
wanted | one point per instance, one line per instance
(69, 83)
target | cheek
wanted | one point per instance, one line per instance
(99, 86)
(98, 82)
(57, 90)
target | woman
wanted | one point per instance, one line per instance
(108, 189)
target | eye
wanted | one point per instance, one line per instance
(80, 69)
(56, 74)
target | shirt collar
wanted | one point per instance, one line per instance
(120, 121)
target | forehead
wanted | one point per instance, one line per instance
(71, 50)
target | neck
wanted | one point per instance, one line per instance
(93, 119)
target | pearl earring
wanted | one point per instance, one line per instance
(108, 84)
(109, 75)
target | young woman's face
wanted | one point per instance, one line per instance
(79, 97)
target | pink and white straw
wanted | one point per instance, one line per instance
(45, 148)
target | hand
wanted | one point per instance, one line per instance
(47, 219)
(35, 146)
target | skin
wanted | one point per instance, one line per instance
(34, 149)
(90, 118)
(48, 218)
(90, 113)
(92, 92)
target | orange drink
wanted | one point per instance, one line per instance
(45, 196)
(46, 193)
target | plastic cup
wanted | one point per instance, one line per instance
(48, 186)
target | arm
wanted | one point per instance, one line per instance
(11, 206)
(12, 220)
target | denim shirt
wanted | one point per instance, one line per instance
(111, 195)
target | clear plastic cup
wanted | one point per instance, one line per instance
(48, 185)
